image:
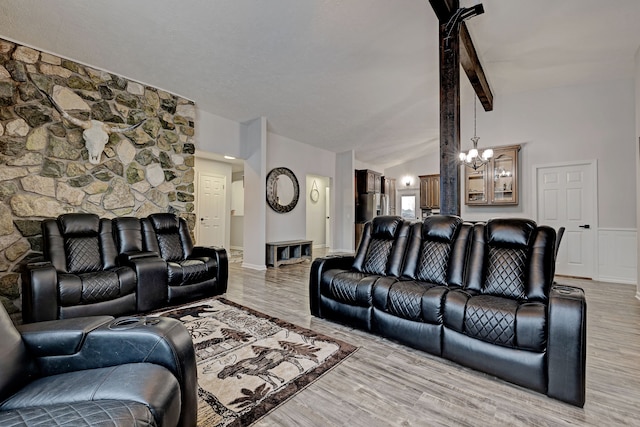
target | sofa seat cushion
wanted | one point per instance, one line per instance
(411, 300)
(502, 321)
(101, 413)
(189, 271)
(97, 286)
(348, 287)
(145, 383)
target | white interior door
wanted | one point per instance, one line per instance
(566, 197)
(211, 209)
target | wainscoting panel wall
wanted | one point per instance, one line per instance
(617, 255)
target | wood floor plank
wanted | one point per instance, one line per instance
(387, 384)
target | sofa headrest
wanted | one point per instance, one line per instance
(164, 222)
(385, 227)
(510, 231)
(79, 224)
(441, 228)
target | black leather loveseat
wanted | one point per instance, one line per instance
(97, 371)
(97, 266)
(479, 294)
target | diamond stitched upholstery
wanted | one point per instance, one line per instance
(343, 288)
(405, 300)
(377, 256)
(99, 286)
(111, 413)
(83, 254)
(505, 272)
(491, 319)
(170, 246)
(434, 259)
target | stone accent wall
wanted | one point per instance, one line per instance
(44, 166)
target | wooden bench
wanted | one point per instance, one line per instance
(288, 252)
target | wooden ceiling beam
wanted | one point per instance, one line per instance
(473, 68)
(468, 56)
(443, 9)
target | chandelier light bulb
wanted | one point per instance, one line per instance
(472, 158)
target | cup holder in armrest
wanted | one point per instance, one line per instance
(131, 322)
(566, 290)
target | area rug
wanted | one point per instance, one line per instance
(250, 363)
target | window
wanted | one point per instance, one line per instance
(408, 207)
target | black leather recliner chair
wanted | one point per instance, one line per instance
(97, 371)
(346, 291)
(410, 310)
(192, 271)
(81, 274)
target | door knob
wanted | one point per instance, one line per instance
(585, 226)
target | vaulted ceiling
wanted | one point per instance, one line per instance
(337, 74)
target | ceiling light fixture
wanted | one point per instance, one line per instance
(472, 158)
(229, 157)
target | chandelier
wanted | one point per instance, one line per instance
(473, 158)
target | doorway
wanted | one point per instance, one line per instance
(566, 196)
(211, 209)
(318, 208)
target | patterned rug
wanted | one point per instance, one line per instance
(250, 363)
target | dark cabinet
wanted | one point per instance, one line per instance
(368, 181)
(429, 191)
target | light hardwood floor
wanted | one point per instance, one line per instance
(387, 384)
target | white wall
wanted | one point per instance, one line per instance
(637, 149)
(237, 212)
(582, 122)
(344, 206)
(218, 135)
(254, 146)
(303, 160)
(585, 122)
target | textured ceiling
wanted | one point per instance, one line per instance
(337, 74)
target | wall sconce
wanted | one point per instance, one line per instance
(407, 180)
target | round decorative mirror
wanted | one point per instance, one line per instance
(282, 190)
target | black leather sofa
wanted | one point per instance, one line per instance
(481, 295)
(97, 371)
(97, 266)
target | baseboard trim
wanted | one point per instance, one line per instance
(258, 267)
(615, 280)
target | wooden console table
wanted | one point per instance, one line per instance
(288, 252)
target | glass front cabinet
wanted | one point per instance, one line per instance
(495, 183)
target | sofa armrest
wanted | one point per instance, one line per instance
(126, 257)
(159, 340)
(152, 291)
(318, 268)
(567, 343)
(39, 292)
(220, 255)
(59, 337)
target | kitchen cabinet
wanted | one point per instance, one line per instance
(496, 182)
(368, 181)
(429, 191)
